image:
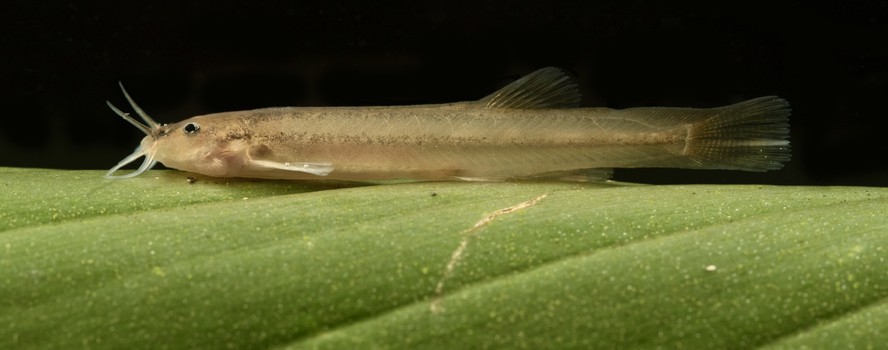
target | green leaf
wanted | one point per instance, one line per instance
(160, 262)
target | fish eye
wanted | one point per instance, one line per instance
(191, 128)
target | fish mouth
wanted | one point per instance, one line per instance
(148, 163)
(150, 128)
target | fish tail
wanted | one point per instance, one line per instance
(750, 135)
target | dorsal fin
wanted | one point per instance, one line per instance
(545, 88)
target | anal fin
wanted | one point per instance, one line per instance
(576, 175)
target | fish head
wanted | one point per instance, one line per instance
(201, 144)
(187, 145)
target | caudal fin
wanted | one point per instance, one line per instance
(750, 135)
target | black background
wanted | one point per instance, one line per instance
(61, 60)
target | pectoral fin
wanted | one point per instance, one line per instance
(258, 158)
(319, 169)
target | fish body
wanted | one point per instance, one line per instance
(531, 128)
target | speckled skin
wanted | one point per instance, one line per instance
(530, 128)
(458, 140)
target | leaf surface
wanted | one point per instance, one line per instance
(158, 262)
